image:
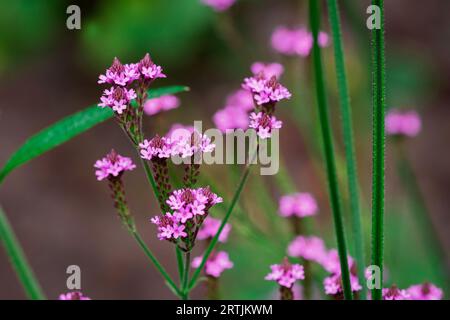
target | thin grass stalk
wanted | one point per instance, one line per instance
(378, 144)
(349, 144)
(179, 255)
(18, 260)
(184, 288)
(326, 132)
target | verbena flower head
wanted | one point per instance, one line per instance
(425, 291)
(331, 261)
(308, 247)
(210, 227)
(269, 70)
(148, 69)
(215, 265)
(295, 41)
(405, 123)
(264, 123)
(298, 204)
(186, 144)
(163, 103)
(266, 90)
(158, 147)
(394, 293)
(112, 165)
(119, 74)
(286, 274)
(117, 98)
(240, 99)
(333, 284)
(231, 118)
(74, 295)
(219, 5)
(169, 227)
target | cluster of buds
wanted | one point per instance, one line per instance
(129, 82)
(286, 274)
(188, 209)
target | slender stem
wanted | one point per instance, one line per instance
(347, 128)
(314, 15)
(187, 264)
(157, 264)
(214, 240)
(151, 180)
(179, 263)
(18, 260)
(378, 152)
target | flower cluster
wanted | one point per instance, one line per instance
(163, 103)
(296, 41)
(264, 123)
(210, 227)
(117, 98)
(394, 293)
(309, 248)
(217, 263)
(298, 204)
(219, 5)
(286, 274)
(425, 291)
(235, 113)
(266, 90)
(406, 123)
(74, 295)
(112, 165)
(189, 209)
(268, 69)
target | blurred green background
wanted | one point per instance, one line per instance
(63, 216)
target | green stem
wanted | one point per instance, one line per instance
(187, 264)
(157, 264)
(214, 240)
(179, 263)
(347, 128)
(151, 180)
(378, 152)
(18, 260)
(314, 15)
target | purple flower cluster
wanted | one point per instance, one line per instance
(394, 293)
(117, 98)
(425, 291)
(403, 123)
(266, 90)
(268, 69)
(113, 165)
(163, 103)
(310, 248)
(210, 227)
(74, 295)
(298, 204)
(219, 5)
(296, 41)
(264, 123)
(217, 263)
(286, 274)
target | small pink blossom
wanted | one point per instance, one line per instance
(74, 295)
(405, 123)
(394, 293)
(331, 261)
(219, 5)
(215, 265)
(169, 227)
(149, 70)
(296, 41)
(333, 284)
(298, 204)
(163, 103)
(240, 99)
(425, 291)
(117, 98)
(264, 124)
(286, 274)
(112, 166)
(269, 70)
(266, 90)
(310, 248)
(231, 118)
(158, 147)
(118, 74)
(210, 227)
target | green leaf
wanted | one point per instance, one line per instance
(66, 129)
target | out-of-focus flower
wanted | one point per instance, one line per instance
(406, 123)
(298, 204)
(269, 70)
(215, 265)
(219, 5)
(264, 124)
(240, 99)
(286, 274)
(296, 41)
(425, 291)
(74, 295)
(332, 263)
(117, 98)
(112, 165)
(394, 293)
(333, 284)
(310, 248)
(163, 103)
(231, 118)
(210, 227)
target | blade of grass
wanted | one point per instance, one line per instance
(347, 128)
(378, 151)
(18, 260)
(314, 19)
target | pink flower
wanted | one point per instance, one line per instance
(158, 147)
(264, 124)
(219, 5)
(394, 293)
(333, 284)
(269, 70)
(310, 248)
(118, 74)
(331, 261)
(149, 70)
(406, 123)
(186, 145)
(298, 204)
(231, 118)
(425, 291)
(240, 99)
(117, 98)
(296, 41)
(210, 227)
(74, 295)
(286, 274)
(169, 227)
(112, 165)
(215, 265)
(163, 103)
(266, 90)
